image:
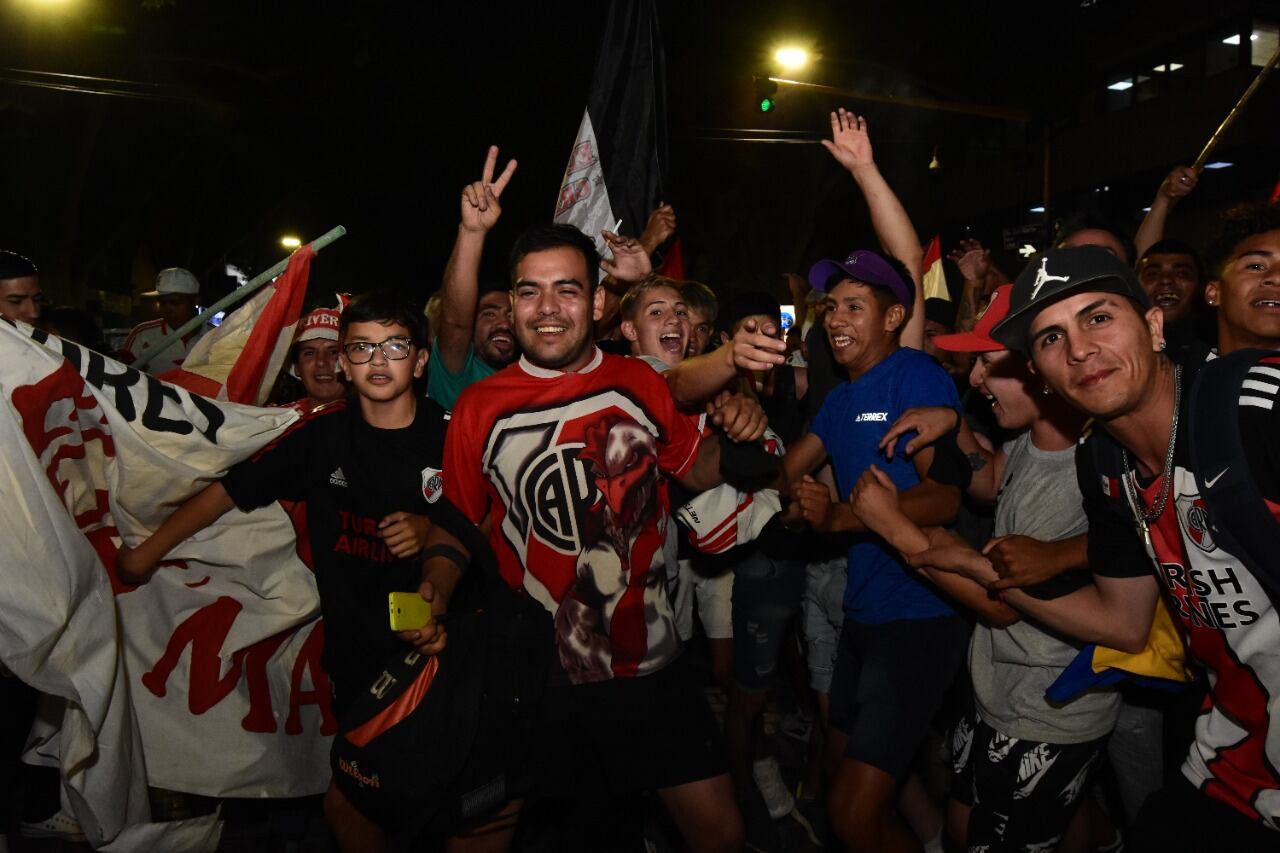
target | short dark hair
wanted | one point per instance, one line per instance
(748, 304)
(1091, 220)
(384, 307)
(13, 265)
(1237, 225)
(540, 238)
(1175, 247)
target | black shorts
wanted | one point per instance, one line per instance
(1023, 793)
(889, 680)
(626, 734)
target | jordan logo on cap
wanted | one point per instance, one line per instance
(1043, 278)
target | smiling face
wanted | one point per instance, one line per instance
(1247, 293)
(1003, 378)
(660, 327)
(317, 365)
(862, 331)
(555, 307)
(1097, 352)
(493, 339)
(381, 379)
(1171, 282)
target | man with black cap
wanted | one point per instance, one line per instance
(1181, 483)
(901, 643)
(178, 292)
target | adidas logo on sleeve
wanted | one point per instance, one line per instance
(337, 478)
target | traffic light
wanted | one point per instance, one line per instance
(766, 94)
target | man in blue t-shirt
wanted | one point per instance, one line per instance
(901, 643)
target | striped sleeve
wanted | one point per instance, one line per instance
(1260, 424)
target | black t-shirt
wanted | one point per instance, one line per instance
(351, 476)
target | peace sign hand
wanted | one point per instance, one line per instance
(480, 207)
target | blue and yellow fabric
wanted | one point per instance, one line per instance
(1162, 663)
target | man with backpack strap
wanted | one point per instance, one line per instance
(1182, 493)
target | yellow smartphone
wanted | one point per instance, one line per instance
(409, 611)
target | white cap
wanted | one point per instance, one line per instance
(175, 280)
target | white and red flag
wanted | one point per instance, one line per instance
(240, 359)
(206, 679)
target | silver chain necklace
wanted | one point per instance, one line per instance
(1145, 519)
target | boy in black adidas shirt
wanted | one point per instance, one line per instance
(369, 469)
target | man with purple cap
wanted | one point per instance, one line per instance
(901, 643)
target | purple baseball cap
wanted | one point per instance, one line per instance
(866, 267)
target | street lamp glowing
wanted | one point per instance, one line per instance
(290, 242)
(791, 58)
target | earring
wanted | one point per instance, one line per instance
(1046, 390)
(1163, 344)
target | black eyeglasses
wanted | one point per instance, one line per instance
(393, 348)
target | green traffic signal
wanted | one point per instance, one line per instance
(767, 105)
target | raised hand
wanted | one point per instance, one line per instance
(756, 346)
(929, 423)
(659, 228)
(480, 208)
(973, 259)
(1180, 182)
(630, 261)
(849, 142)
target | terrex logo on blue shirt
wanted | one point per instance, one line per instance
(871, 416)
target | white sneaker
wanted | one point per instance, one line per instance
(57, 825)
(777, 798)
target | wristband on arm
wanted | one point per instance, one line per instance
(450, 553)
(950, 466)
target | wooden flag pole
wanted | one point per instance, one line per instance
(1235, 111)
(240, 293)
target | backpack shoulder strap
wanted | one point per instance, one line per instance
(1242, 523)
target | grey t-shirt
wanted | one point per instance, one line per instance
(1012, 667)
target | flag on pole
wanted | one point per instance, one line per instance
(935, 277)
(615, 169)
(238, 361)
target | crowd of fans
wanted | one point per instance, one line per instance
(1018, 517)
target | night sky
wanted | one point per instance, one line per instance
(216, 127)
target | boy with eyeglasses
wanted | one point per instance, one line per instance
(369, 469)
